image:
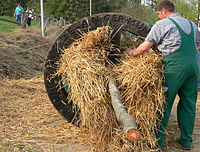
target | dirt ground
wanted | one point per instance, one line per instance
(23, 51)
(28, 120)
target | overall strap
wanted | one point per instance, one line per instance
(181, 31)
(187, 48)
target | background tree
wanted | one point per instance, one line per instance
(150, 3)
(198, 14)
(139, 11)
(73, 10)
(100, 6)
(116, 5)
(8, 6)
(187, 8)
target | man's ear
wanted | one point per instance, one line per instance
(163, 11)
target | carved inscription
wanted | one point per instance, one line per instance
(85, 23)
(129, 23)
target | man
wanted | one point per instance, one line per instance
(178, 39)
(30, 15)
(18, 12)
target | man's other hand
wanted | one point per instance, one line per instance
(130, 51)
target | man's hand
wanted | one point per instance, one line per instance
(130, 51)
(146, 45)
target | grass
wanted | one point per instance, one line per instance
(7, 27)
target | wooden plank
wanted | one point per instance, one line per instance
(24, 17)
(45, 26)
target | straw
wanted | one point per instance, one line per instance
(83, 67)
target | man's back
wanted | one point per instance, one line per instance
(29, 13)
(167, 36)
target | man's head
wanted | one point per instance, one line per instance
(19, 5)
(165, 8)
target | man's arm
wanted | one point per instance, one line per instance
(146, 45)
(15, 12)
(22, 10)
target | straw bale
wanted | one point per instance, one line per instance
(140, 82)
(83, 67)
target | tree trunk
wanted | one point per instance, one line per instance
(7, 20)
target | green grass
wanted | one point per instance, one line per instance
(7, 27)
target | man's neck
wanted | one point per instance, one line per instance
(169, 13)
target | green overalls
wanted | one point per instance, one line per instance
(181, 76)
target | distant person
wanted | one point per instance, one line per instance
(30, 16)
(18, 12)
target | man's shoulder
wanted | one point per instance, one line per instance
(164, 21)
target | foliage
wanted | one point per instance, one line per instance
(190, 6)
(187, 8)
(73, 10)
(117, 5)
(7, 7)
(135, 9)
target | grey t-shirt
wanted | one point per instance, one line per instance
(166, 35)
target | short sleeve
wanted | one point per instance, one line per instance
(154, 35)
(22, 9)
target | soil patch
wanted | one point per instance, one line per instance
(23, 52)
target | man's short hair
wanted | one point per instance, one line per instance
(166, 4)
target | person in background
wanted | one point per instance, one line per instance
(18, 12)
(178, 39)
(30, 16)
